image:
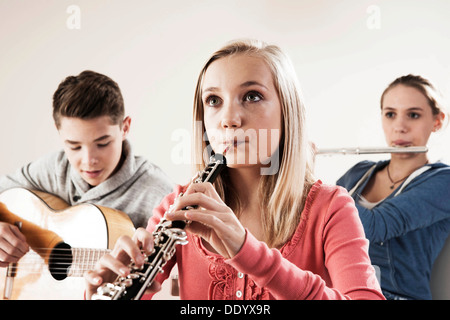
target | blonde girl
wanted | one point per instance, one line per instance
(266, 229)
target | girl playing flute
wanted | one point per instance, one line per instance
(404, 202)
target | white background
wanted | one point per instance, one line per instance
(345, 54)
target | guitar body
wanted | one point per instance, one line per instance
(47, 222)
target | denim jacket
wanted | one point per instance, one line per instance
(408, 229)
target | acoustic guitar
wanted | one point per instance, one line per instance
(65, 241)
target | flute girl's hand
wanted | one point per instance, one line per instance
(116, 263)
(212, 220)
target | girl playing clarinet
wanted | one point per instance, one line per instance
(266, 229)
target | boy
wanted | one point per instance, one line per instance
(97, 164)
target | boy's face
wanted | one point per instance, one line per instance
(93, 147)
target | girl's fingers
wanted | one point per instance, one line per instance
(92, 278)
(198, 200)
(128, 248)
(211, 218)
(222, 230)
(144, 240)
(109, 262)
(117, 262)
(205, 188)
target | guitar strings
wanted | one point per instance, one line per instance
(82, 259)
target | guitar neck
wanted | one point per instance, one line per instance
(84, 259)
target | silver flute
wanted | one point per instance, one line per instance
(345, 151)
(167, 235)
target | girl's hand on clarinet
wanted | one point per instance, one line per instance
(212, 220)
(116, 262)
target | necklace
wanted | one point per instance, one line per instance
(393, 183)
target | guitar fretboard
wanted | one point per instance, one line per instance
(84, 259)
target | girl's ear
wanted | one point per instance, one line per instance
(438, 121)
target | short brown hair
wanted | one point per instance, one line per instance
(86, 96)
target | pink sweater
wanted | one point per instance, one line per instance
(326, 258)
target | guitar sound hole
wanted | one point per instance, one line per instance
(60, 261)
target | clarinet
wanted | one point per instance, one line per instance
(167, 235)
